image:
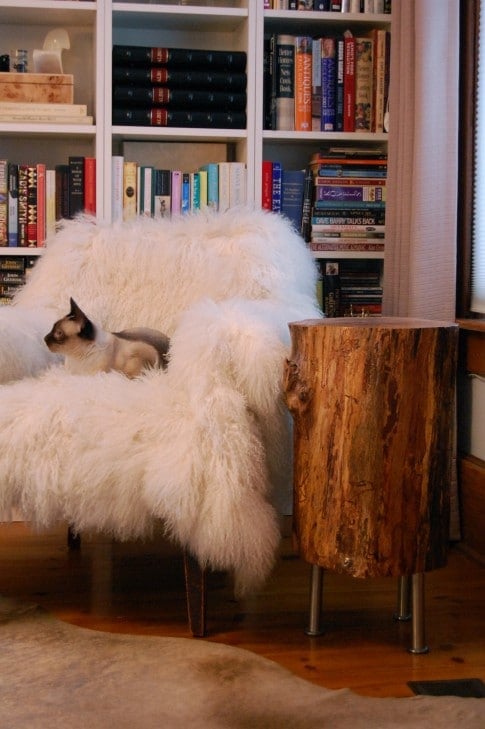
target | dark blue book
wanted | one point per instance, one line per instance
(292, 192)
(276, 187)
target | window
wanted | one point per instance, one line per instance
(471, 202)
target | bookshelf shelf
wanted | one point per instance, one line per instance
(178, 17)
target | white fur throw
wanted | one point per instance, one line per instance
(203, 446)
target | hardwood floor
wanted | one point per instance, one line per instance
(138, 589)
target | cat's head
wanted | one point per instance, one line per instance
(72, 334)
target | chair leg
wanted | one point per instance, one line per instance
(418, 643)
(316, 588)
(195, 587)
(73, 539)
(403, 611)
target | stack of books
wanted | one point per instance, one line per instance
(44, 113)
(349, 207)
(178, 87)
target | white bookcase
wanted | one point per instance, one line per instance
(94, 26)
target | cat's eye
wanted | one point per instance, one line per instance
(58, 335)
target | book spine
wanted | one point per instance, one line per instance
(276, 187)
(185, 201)
(179, 98)
(350, 229)
(203, 187)
(349, 84)
(76, 185)
(285, 83)
(267, 184)
(316, 83)
(349, 218)
(181, 118)
(306, 213)
(179, 78)
(363, 84)
(50, 202)
(329, 76)
(224, 186)
(344, 172)
(292, 188)
(147, 192)
(41, 202)
(163, 193)
(3, 202)
(318, 245)
(303, 83)
(180, 57)
(47, 108)
(379, 80)
(339, 85)
(345, 181)
(176, 202)
(129, 190)
(31, 206)
(349, 193)
(194, 190)
(343, 205)
(62, 191)
(237, 184)
(90, 185)
(117, 164)
(13, 204)
(212, 170)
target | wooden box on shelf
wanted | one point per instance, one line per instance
(37, 87)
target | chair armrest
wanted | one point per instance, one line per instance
(23, 352)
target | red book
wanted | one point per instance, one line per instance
(349, 84)
(90, 185)
(267, 188)
(41, 231)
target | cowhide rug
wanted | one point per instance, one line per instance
(55, 675)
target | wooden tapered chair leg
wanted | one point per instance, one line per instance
(195, 587)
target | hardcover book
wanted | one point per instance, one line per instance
(3, 202)
(13, 209)
(329, 78)
(292, 190)
(303, 83)
(146, 96)
(179, 118)
(175, 78)
(363, 84)
(76, 185)
(180, 57)
(284, 102)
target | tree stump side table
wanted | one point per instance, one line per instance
(372, 402)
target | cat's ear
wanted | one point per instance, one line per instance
(86, 327)
(75, 312)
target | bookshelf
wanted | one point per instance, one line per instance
(94, 26)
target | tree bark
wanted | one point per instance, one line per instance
(373, 408)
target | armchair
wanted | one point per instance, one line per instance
(203, 446)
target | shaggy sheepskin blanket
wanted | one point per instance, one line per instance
(204, 446)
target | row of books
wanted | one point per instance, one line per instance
(181, 87)
(14, 271)
(33, 198)
(338, 6)
(350, 288)
(146, 190)
(329, 83)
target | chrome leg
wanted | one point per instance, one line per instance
(403, 611)
(316, 587)
(418, 641)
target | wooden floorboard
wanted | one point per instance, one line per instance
(139, 589)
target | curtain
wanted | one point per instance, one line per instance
(421, 209)
(420, 265)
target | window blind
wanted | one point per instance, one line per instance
(478, 227)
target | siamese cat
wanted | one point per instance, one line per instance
(88, 349)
